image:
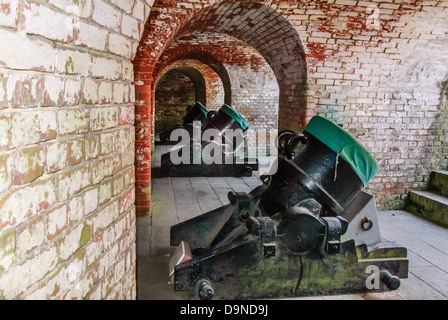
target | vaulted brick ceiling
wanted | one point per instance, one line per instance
(253, 23)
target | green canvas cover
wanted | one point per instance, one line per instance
(236, 116)
(202, 108)
(343, 143)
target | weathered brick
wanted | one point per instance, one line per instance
(56, 221)
(73, 91)
(19, 204)
(5, 133)
(53, 91)
(33, 127)
(24, 90)
(106, 15)
(123, 139)
(380, 70)
(94, 249)
(73, 62)
(56, 286)
(56, 156)
(3, 94)
(130, 94)
(127, 115)
(72, 182)
(74, 240)
(73, 121)
(90, 199)
(117, 184)
(41, 20)
(9, 15)
(127, 71)
(29, 236)
(119, 89)
(75, 209)
(104, 168)
(105, 217)
(35, 269)
(80, 289)
(128, 158)
(91, 36)
(73, 278)
(106, 143)
(103, 118)
(130, 27)
(105, 68)
(28, 165)
(105, 92)
(85, 8)
(109, 237)
(127, 200)
(129, 177)
(105, 192)
(125, 5)
(90, 91)
(120, 45)
(7, 249)
(34, 54)
(139, 10)
(91, 147)
(75, 151)
(6, 164)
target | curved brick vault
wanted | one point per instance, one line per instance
(171, 99)
(252, 22)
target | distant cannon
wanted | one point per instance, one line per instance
(227, 152)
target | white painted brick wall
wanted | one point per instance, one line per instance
(63, 60)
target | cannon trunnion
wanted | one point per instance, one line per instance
(309, 229)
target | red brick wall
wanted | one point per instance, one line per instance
(174, 93)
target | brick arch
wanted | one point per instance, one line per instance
(195, 76)
(272, 35)
(211, 69)
(252, 22)
(260, 26)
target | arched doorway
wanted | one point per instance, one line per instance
(177, 89)
(251, 22)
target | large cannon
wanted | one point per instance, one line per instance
(309, 229)
(216, 147)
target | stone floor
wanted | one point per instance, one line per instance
(179, 199)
